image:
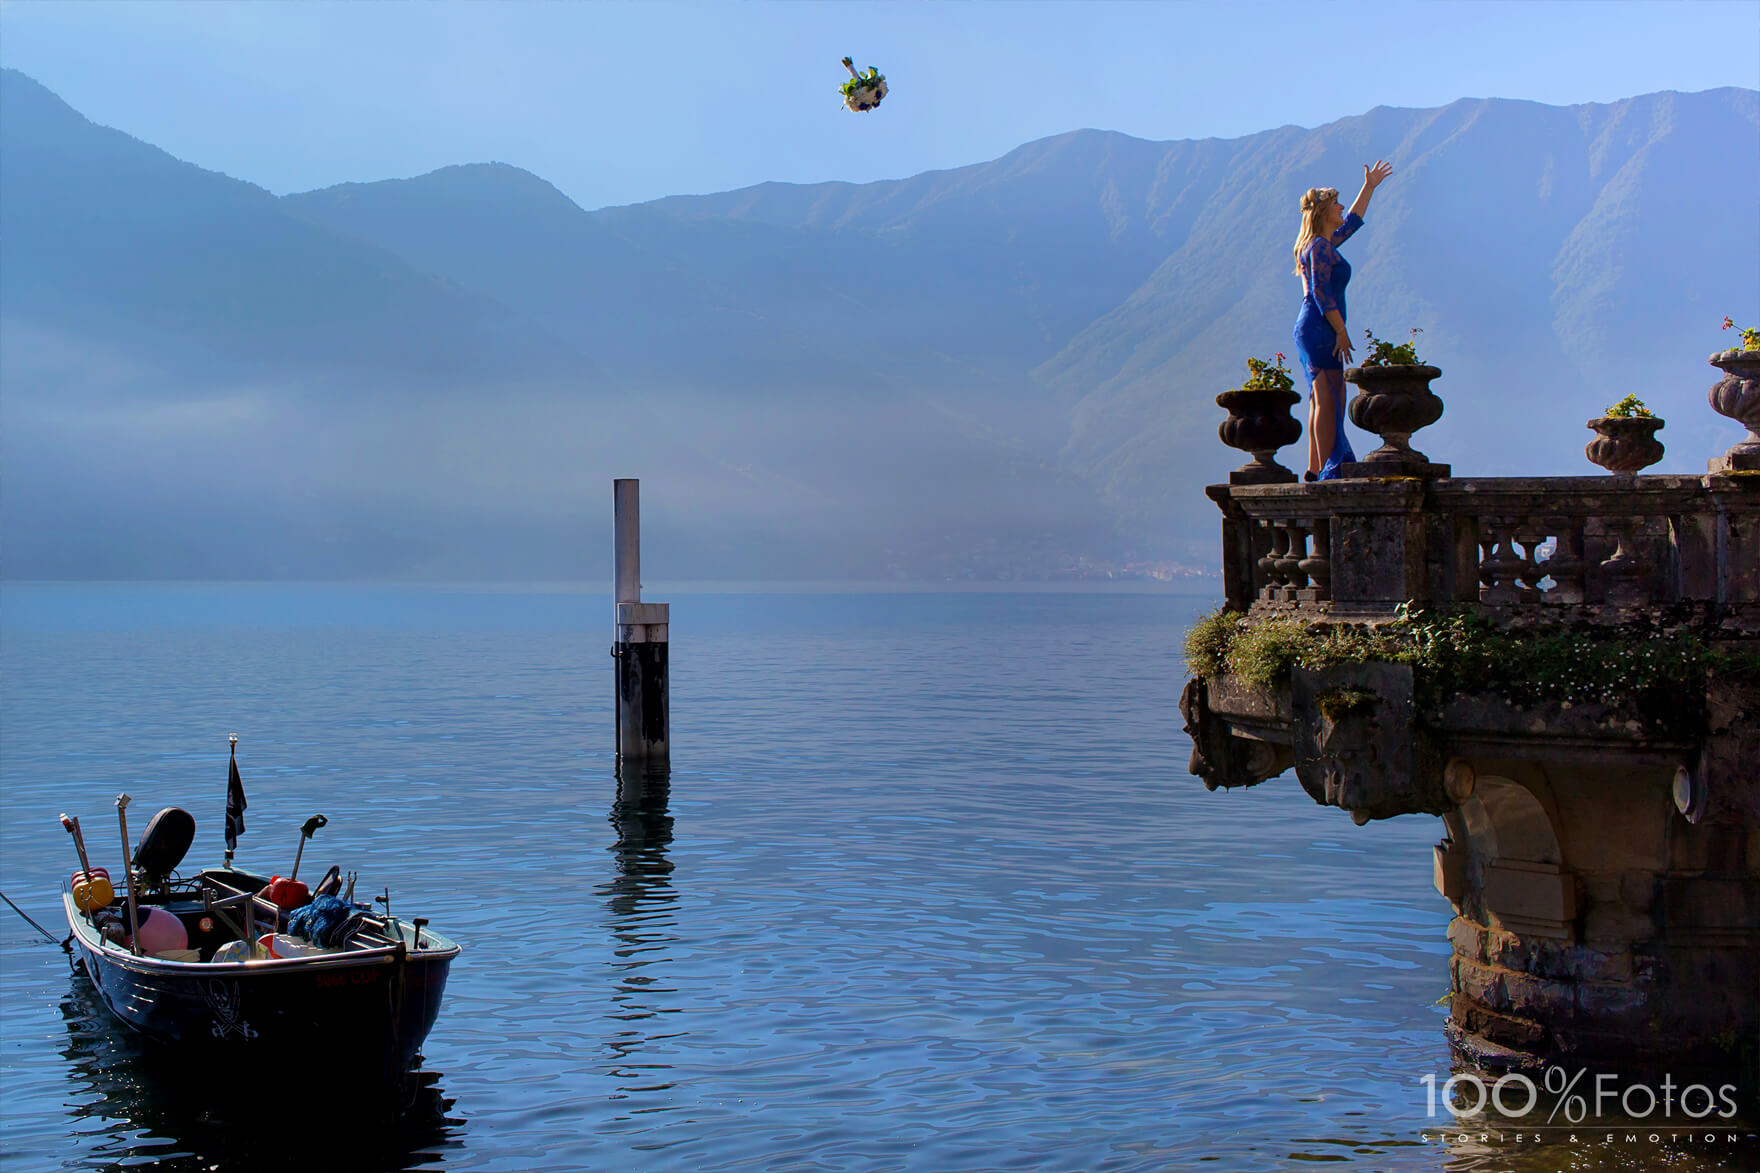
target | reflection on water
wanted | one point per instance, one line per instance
(133, 1103)
(642, 903)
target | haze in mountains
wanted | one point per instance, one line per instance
(1007, 368)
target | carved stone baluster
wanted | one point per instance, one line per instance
(1565, 564)
(1290, 564)
(1271, 565)
(1259, 539)
(1318, 564)
(1530, 536)
(1625, 574)
(1499, 565)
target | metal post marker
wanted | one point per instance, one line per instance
(641, 704)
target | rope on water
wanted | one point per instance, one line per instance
(66, 945)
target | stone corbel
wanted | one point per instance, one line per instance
(1220, 757)
(1357, 743)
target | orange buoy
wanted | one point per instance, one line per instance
(92, 889)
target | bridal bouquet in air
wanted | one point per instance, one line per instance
(863, 91)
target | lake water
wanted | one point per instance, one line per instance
(931, 889)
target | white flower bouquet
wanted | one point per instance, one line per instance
(863, 91)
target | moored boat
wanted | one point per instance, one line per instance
(214, 968)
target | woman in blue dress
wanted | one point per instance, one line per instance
(1321, 338)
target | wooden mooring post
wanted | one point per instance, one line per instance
(643, 730)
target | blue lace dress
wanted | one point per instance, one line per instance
(1324, 275)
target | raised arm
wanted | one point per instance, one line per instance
(1372, 178)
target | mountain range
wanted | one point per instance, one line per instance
(1001, 370)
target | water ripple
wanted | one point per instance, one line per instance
(929, 888)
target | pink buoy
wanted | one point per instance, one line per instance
(160, 931)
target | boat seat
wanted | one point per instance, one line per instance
(164, 844)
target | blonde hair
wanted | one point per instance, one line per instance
(1314, 203)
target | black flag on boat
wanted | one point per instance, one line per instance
(235, 803)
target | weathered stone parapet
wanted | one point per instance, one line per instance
(1541, 546)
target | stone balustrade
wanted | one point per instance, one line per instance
(1559, 548)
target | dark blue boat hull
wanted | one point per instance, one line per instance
(359, 1016)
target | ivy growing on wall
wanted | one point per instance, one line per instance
(1658, 677)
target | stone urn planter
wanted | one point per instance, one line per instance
(1393, 401)
(1259, 422)
(1737, 395)
(1624, 444)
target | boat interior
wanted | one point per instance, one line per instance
(231, 915)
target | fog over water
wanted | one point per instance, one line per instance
(491, 482)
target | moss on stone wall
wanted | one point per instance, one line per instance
(1659, 677)
(1207, 643)
(1339, 703)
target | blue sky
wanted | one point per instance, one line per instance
(621, 102)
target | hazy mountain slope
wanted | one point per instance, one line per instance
(1556, 258)
(199, 381)
(954, 283)
(747, 345)
(110, 239)
(1512, 234)
(1006, 366)
(497, 229)
(998, 262)
(1137, 276)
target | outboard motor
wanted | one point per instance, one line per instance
(163, 845)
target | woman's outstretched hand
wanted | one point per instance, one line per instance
(1372, 177)
(1341, 346)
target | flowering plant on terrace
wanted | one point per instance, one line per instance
(1750, 338)
(1386, 354)
(1267, 376)
(1631, 407)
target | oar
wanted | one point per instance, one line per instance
(134, 899)
(306, 832)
